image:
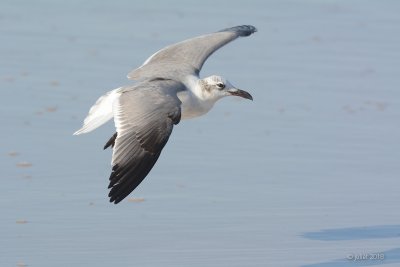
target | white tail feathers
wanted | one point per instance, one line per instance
(100, 112)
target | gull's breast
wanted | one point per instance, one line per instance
(192, 106)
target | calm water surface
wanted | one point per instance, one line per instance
(305, 175)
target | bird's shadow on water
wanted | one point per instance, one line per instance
(359, 233)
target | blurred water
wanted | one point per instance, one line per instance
(251, 183)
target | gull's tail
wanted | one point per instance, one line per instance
(99, 113)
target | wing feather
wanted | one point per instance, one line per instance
(144, 117)
(187, 57)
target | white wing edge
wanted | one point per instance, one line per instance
(100, 112)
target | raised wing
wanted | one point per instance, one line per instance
(144, 117)
(187, 57)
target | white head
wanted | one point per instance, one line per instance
(215, 87)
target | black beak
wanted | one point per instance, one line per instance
(241, 93)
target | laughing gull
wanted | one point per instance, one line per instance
(168, 89)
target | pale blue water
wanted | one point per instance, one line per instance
(305, 175)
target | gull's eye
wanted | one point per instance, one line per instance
(220, 86)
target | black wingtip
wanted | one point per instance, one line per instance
(116, 198)
(115, 201)
(242, 30)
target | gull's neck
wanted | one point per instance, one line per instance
(193, 84)
(194, 100)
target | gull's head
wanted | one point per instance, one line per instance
(215, 87)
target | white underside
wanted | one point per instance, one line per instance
(191, 106)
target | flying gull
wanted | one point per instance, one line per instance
(168, 89)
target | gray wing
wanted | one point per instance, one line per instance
(144, 117)
(187, 57)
